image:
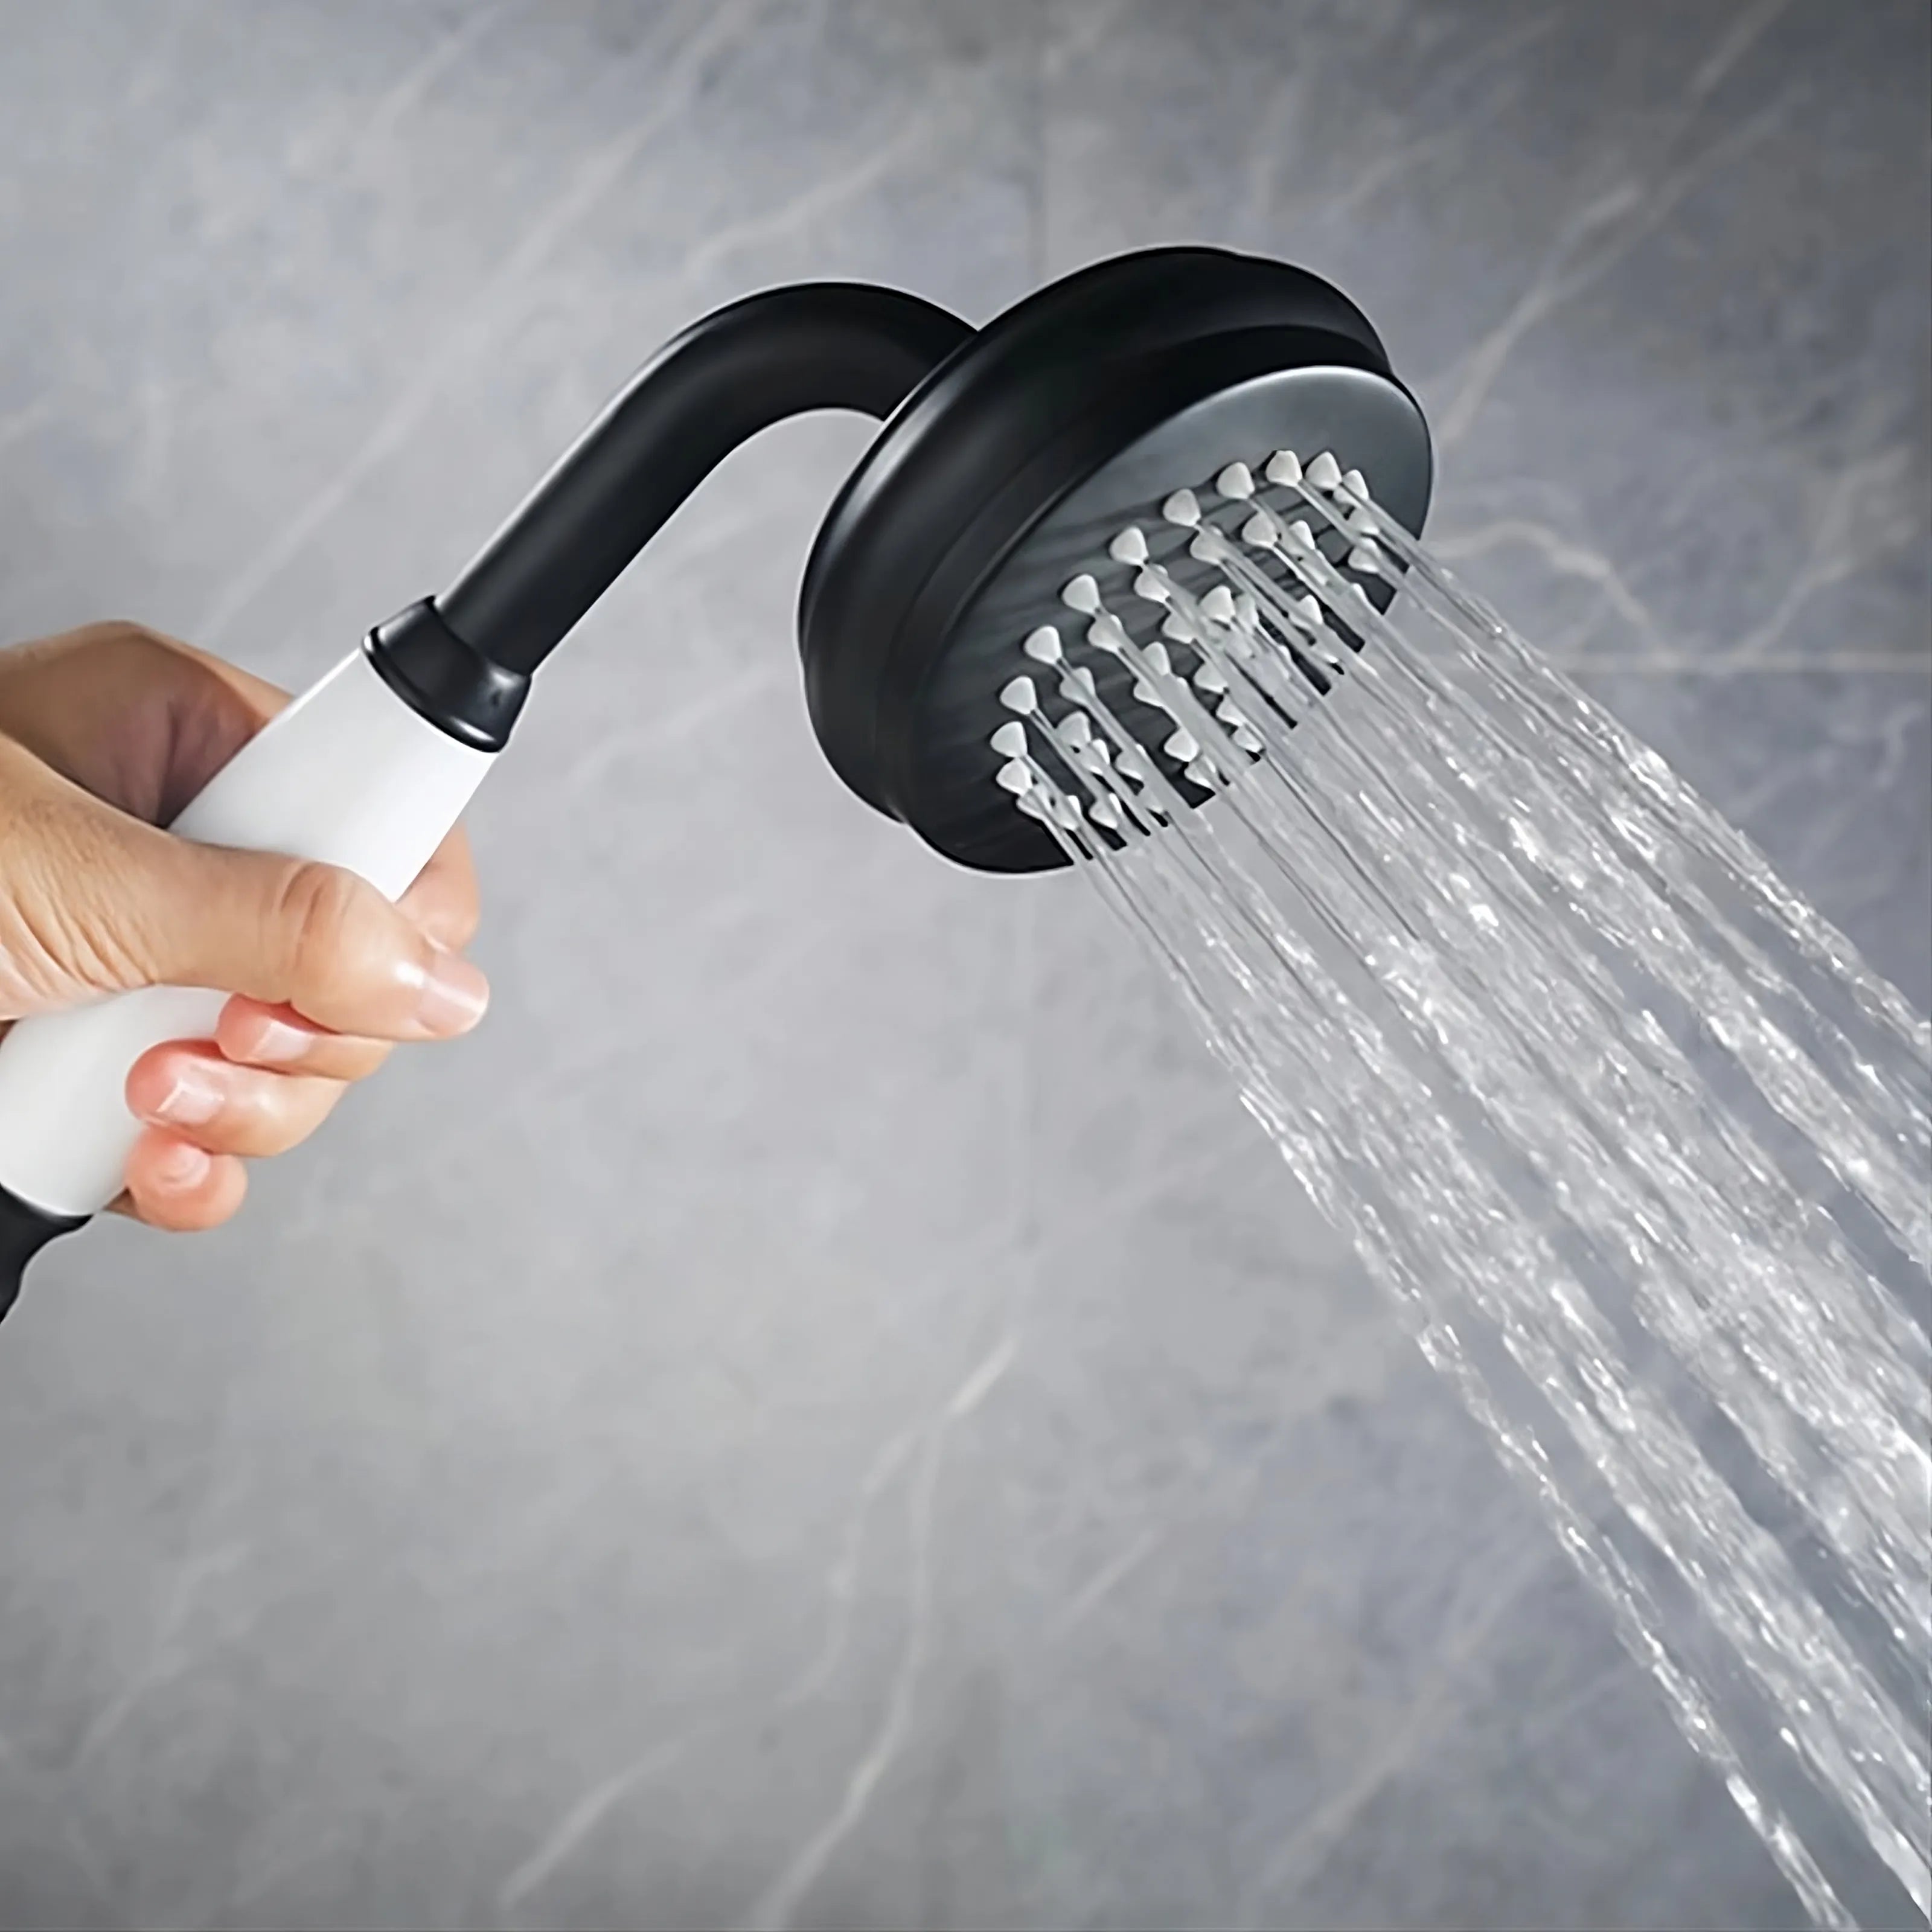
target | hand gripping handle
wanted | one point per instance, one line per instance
(348, 774)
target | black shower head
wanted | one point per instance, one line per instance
(1008, 471)
(1010, 455)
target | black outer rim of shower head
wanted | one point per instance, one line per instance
(950, 498)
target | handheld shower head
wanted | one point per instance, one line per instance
(1010, 455)
(993, 499)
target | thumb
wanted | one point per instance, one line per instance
(285, 931)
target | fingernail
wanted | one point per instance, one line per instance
(278, 1041)
(193, 1100)
(453, 995)
(181, 1167)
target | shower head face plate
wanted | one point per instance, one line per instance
(1365, 418)
(1011, 471)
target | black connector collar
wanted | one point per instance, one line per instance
(438, 676)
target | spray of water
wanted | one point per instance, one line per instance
(1641, 1148)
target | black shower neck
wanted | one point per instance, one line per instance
(464, 661)
(817, 346)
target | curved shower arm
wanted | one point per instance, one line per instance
(813, 346)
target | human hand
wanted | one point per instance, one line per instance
(105, 733)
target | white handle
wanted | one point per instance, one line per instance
(348, 774)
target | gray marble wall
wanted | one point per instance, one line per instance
(824, 1413)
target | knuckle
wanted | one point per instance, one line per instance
(129, 631)
(317, 912)
(123, 638)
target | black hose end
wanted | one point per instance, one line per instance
(25, 1230)
(437, 674)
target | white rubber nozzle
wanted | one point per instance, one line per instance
(1175, 624)
(1078, 686)
(1153, 586)
(1182, 747)
(1324, 472)
(1202, 773)
(1228, 716)
(1355, 481)
(1248, 741)
(1258, 532)
(1183, 508)
(1284, 467)
(1032, 804)
(1021, 696)
(1082, 595)
(1010, 739)
(1076, 729)
(1237, 481)
(1209, 679)
(1365, 558)
(1043, 646)
(1105, 811)
(1015, 776)
(1106, 633)
(1308, 609)
(1219, 604)
(1299, 536)
(1129, 546)
(1155, 655)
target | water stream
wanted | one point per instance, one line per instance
(1641, 1149)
